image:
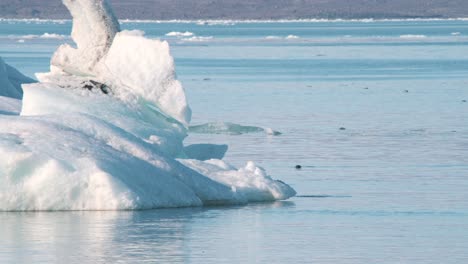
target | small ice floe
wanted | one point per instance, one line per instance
(229, 129)
(43, 36)
(52, 36)
(180, 34)
(455, 33)
(292, 37)
(289, 37)
(271, 132)
(411, 36)
(198, 39)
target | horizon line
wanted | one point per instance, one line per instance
(226, 21)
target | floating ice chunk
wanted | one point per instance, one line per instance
(198, 39)
(179, 34)
(205, 151)
(272, 132)
(455, 33)
(251, 181)
(43, 36)
(278, 37)
(292, 37)
(52, 36)
(11, 80)
(229, 128)
(409, 36)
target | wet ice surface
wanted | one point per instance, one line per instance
(390, 188)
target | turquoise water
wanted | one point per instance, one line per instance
(392, 187)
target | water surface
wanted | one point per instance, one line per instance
(390, 187)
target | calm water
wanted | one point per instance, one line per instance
(390, 188)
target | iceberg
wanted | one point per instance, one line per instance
(104, 130)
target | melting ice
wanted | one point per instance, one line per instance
(104, 130)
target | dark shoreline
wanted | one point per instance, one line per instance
(250, 9)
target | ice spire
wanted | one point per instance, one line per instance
(124, 63)
(94, 28)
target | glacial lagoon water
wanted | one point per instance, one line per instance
(374, 112)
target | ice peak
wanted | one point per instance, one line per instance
(94, 29)
(126, 62)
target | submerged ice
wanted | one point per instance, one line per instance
(104, 130)
(230, 129)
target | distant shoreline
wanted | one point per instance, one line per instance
(258, 10)
(240, 21)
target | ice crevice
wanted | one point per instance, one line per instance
(104, 130)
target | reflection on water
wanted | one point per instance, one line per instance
(166, 235)
(298, 231)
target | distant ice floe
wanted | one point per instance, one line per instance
(410, 36)
(188, 36)
(229, 129)
(104, 130)
(43, 36)
(34, 20)
(455, 33)
(292, 37)
(289, 37)
(179, 34)
(198, 39)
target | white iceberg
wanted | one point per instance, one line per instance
(104, 130)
